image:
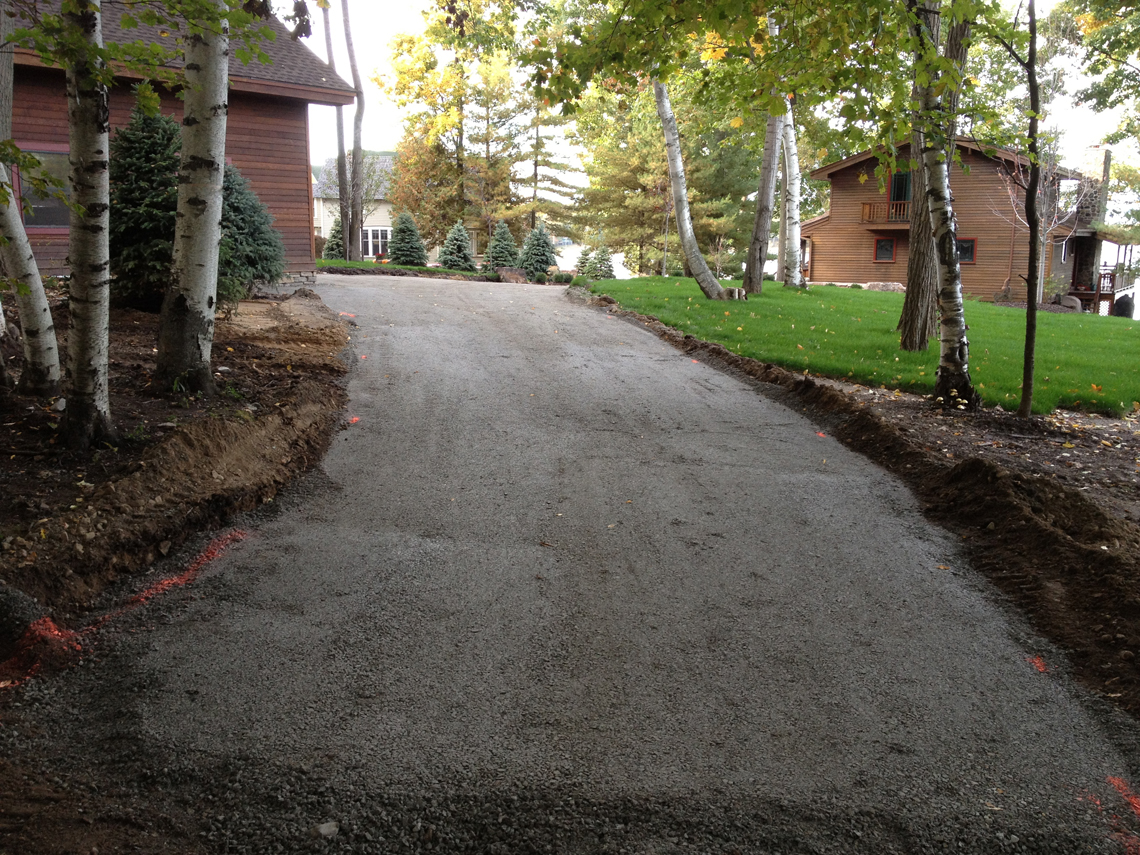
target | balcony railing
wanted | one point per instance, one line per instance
(886, 212)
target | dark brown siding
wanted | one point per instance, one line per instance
(267, 138)
(843, 248)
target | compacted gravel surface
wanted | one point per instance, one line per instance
(558, 587)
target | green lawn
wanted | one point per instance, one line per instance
(1083, 362)
(380, 268)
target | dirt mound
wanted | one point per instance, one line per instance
(1069, 562)
(181, 465)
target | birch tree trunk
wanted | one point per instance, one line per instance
(953, 387)
(356, 202)
(765, 202)
(696, 261)
(341, 161)
(793, 269)
(40, 375)
(41, 372)
(186, 331)
(88, 414)
(919, 318)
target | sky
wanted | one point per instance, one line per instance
(373, 27)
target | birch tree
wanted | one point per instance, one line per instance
(953, 387)
(355, 220)
(41, 372)
(88, 414)
(341, 162)
(793, 268)
(700, 269)
(765, 202)
(186, 332)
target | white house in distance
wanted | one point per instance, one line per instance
(377, 209)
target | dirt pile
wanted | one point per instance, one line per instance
(180, 465)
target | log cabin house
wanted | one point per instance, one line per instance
(864, 236)
(267, 133)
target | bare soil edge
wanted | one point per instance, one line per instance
(1069, 567)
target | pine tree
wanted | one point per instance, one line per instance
(456, 252)
(406, 247)
(251, 249)
(501, 252)
(601, 266)
(334, 246)
(537, 253)
(144, 199)
(584, 259)
(144, 195)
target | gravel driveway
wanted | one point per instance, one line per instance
(560, 588)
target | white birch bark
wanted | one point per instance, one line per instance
(186, 334)
(88, 414)
(793, 269)
(41, 372)
(952, 386)
(765, 203)
(356, 202)
(696, 261)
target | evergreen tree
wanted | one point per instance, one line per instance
(406, 246)
(251, 249)
(601, 266)
(144, 195)
(501, 252)
(584, 260)
(537, 252)
(456, 252)
(334, 246)
(144, 199)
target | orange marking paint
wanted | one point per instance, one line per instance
(1121, 786)
(364, 357)
(1038, 663)
(820, 433)
(354, 420)
(45, 643)
(346, 314)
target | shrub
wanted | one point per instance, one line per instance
(581, 281)
(251, 250)
(334, 244)
(601, 265)
(540, 278)
(406, 247)
(144, 198)
(537, 253)
(144, 201)
(584, 260)
(319, 242)
(563, 278)
(501, 251)
(456, 252)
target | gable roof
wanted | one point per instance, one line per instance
(827, 170)
(294, 70)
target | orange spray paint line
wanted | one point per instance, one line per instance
(44, 642)
(1038, 663)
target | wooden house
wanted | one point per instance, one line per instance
(267, 133)
(864, 236)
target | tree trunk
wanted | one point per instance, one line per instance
(88, 414)
(41, 374)
(356, 203)
(765, 202)
(952, 386)
(696, 261)
(782, 231)
(341, 160)
(186, 332)
(793, 269)
(537, 151)
(1033, 220)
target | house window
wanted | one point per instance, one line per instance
(48, 211)
(967, 250)
(373, 242)
(884, 249)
